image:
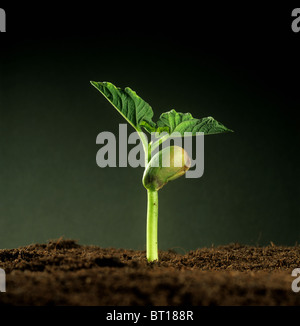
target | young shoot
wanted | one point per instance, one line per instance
(170, 162)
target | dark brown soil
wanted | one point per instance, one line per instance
(65, 273)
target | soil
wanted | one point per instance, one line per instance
(62, 272)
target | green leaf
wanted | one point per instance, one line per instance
(134, 109)
(184, 122)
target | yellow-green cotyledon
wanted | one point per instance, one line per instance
(168, 164)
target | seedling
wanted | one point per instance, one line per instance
(157, 174)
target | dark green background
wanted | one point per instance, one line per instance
(50, 185)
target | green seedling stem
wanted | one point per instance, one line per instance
(152, 224)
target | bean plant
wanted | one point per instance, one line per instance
(168, 163)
